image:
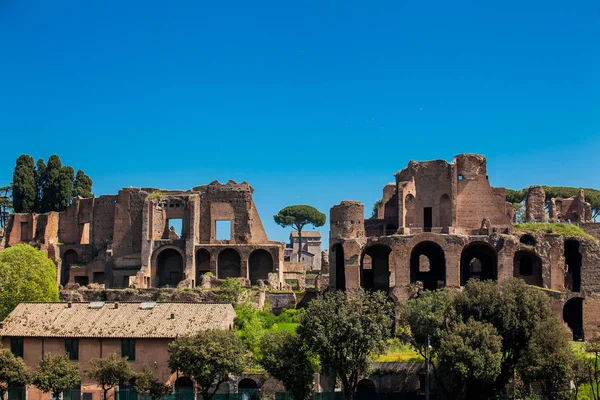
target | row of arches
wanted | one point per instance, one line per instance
(170, 265)
(478, 260)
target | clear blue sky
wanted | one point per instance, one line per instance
(309, 101)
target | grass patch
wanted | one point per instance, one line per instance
(284, 326)
(398, 352)
(547, 227)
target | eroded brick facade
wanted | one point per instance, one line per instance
(443, 223)
(126, 239)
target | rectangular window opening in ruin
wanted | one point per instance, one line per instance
(223, 229)
(175, 228)
(85, 233)
(427, 219)
(24, 233)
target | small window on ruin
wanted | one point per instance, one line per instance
(424, 265)
(475, 266)
(24, 232)
(460, 177)
(223, 230)
(175, 228)
(527, 240)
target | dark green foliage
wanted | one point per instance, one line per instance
(26, 274)
(516, 314)
(469, 355)
(346, 332)
(515, 196)
(230, 291)
(55, 374)
(51, 188)
(65, 188)
(83, 185)
(13, 372)
(109, 372)
(376, 208)
(146, 383)
(285, 357)
(23, 186)
(210, 357)
(40, 180)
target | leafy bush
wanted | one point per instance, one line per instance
(547, 227)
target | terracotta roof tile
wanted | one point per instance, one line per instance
(126, 321)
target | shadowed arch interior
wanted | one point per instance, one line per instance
(573, 265)
(366, 387)
(428, 265)
(337, 252)
(247, 384)
(573, 317)
(260, 264)
(528, 266)
(375, 276)
(229, 264)
(169, 268)
(202, 264)
(478, 261)
(69, 258)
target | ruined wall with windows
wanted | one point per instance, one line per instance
(452, 226)
(155, 238)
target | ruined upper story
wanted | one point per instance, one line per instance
(443, 197)
(136, 215)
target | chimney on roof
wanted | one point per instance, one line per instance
(116, 305)
(69, 304)
(172, 315)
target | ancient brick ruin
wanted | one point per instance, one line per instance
(125, 240)
(442, 223)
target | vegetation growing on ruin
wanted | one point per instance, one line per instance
(557, 228)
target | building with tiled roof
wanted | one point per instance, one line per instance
(139, 331)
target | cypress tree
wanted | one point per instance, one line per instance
(83, 185)
(65, 188)
(51, 187)
(24, 185)
(40, 180)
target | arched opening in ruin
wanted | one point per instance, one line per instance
(390, 229)
(337, 252)
(410, 206)
(69, 258)
(428, 265)
(202, 264)
(528, 266)
(229, 264)
(247, 384)
(445, 211)
(478, 260)
(527, 240)
(573, 317)
(169, 268)
(365, 388)
(184, 388)
(572, 265)
(260, 264)
(375, 268)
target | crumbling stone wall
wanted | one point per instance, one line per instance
(535, 210)
(574, 209)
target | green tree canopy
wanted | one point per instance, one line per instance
(13, 372)
(109, 371)
(209, 357)
(298, 217)
(26, 274)
(23, 186)
(345, 332)
(145, 382)
(55, 373)
(83, 185)
(519, 315)
(65, 188)
(286, 358)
